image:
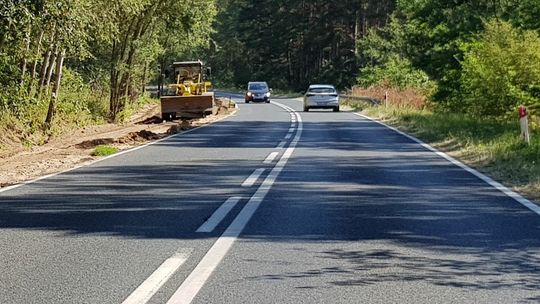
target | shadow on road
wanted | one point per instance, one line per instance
(345, 183)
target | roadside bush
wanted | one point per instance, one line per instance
(501, 70)
(396, 72)
(23, 113)
(77, 103)
(9, 76)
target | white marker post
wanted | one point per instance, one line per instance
(386, 99)
(524, 123)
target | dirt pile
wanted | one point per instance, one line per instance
(183, 126)
(139, 137)
(151, 120)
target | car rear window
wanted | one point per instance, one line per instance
(322, 90)
(257, 86)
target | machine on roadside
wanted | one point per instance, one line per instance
(188, 96)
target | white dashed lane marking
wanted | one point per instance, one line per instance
(271, 157)
(252, 179)
(150, 286)
(219, 215)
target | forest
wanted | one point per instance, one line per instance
(88, 61)
(478, 57)
(74, 62)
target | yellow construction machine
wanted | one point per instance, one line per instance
(189, 95)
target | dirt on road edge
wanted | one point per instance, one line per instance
(75, 149)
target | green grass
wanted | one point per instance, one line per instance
(104, 150)
(491, 146)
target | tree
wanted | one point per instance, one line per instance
(293, 43)
(501, 70)
(136, 24)
(430, 34)
(111, 44)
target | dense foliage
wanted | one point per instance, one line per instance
(428, 45)
(107, 50)
(292, 43)
(478, 56)
(501, 69)
(482, 55)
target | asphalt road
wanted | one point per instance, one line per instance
(271, 205)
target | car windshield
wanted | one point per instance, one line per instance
(257, 86)
(322, 90)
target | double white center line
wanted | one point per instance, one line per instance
(195, 281)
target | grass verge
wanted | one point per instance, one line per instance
(104, 150)
(491, 146)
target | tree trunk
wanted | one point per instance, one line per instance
(289, 63)
(45, 67)
(126, 79)
(34, 66)
(47, 63)
(54, 97)
(124, 54)
(118, 54)
(25, 59)
(161, 72)
(143, 84)
(51, 67)
(357, 26)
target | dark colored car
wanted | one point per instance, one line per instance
(258, 91)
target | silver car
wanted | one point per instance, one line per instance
(321, 96)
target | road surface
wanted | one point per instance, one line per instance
(271, 205)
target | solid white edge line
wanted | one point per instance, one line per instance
(271, 157)
(8, 188)
(198, 277)
(216, 218)
(250, 181)
(515, 196)
(156, 280)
